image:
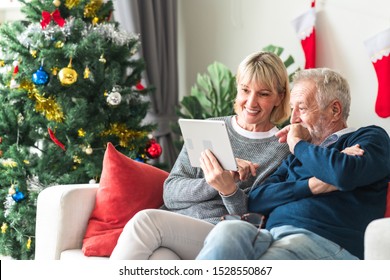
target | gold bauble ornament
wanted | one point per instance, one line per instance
(67, 75)
(57, 3)
(89, 150)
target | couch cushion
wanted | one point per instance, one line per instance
(126, 187)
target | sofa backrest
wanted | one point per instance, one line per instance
(387, 213)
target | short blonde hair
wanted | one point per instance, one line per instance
(267, 68)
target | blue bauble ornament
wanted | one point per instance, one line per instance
(41, 77)
(18, 196)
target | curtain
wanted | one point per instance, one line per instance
(156, 22)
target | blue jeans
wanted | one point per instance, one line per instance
(240, 240)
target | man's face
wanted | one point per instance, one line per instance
(306, 111)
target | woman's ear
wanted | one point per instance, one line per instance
(281, 97)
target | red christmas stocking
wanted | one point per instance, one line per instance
(378, 48)
(304, 26)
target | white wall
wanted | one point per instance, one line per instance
(9, 10)
(228, 30)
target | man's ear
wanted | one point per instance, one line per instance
(336, 109)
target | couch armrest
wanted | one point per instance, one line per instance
(377, 240)
(63, 212)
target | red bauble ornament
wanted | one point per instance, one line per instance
(153, 149)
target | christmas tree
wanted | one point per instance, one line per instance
(69, 84)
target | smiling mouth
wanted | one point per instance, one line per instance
(252, 111)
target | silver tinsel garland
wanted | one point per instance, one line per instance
(107, 30)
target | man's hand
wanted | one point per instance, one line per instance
(282, 134)
(318, 187)
(292, 134)
(355, 150)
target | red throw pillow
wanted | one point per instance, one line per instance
(126, 187)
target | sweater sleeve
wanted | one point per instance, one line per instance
(277, 190)
(344, 171)
(236, 203)
(186, 185)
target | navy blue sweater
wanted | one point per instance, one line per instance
(340, 216)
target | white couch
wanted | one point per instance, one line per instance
(63, 212)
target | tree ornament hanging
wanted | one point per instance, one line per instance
(13, 83)
(33, 53)
(87, 72)
(102, 59)
(89, 150)
(153, 149)
(67, 75)
(114, 97)
(139, 86)
(81, 132)
(55, 140)
(57, 3)
(40, 77)
(54, 71)
(4, 228)
(18, 195)
(59, 44)
(28, 243)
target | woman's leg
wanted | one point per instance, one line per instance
(151, 229)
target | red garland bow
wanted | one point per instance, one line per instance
(47, 17)
(55, 140)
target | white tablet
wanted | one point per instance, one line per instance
(200, 135)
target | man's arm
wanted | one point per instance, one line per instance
(349, 172)
(277, 190)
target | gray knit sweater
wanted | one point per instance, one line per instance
(187, 192)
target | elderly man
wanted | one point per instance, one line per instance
(318, 203)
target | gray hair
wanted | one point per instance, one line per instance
(330, 86)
